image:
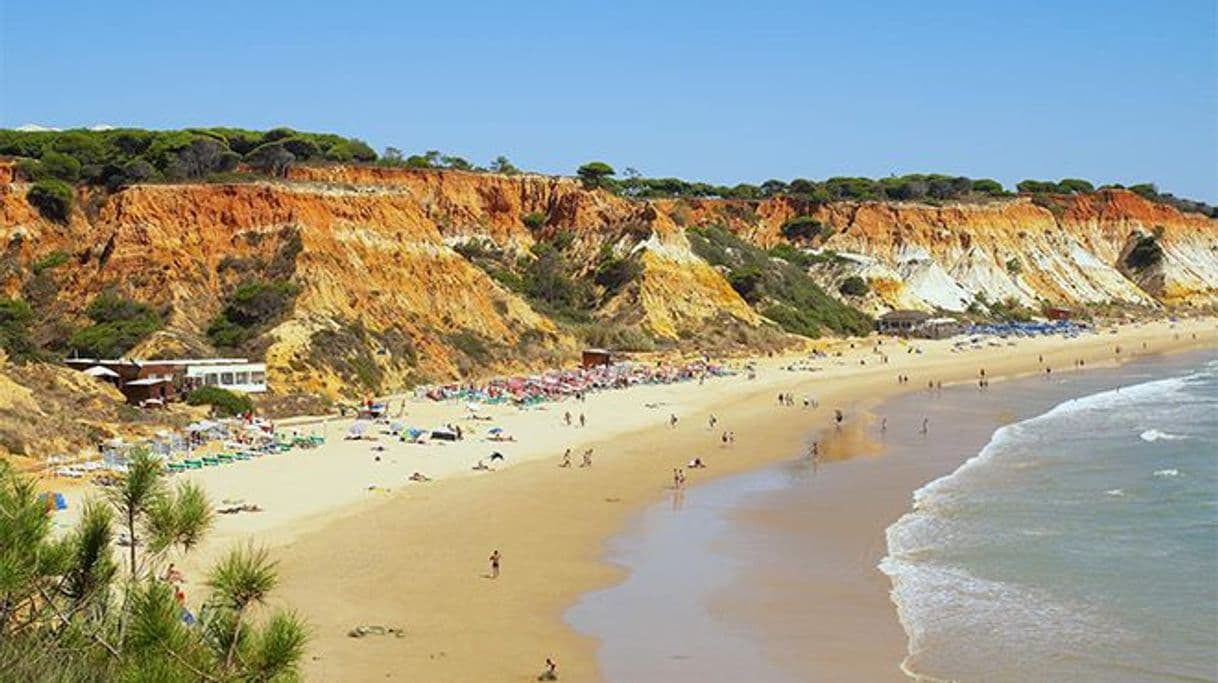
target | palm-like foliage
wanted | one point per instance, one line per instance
(68, 613)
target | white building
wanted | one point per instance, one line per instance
(229, 373)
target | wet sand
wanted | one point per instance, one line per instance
(772, 575)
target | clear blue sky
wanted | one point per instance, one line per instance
(1117, 91)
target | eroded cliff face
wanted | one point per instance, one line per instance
(1069, 251)
(385, 301)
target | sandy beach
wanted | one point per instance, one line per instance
(358, 544)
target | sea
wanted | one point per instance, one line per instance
(1080, 544)
(1077, 542)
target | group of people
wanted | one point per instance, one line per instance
(566, 418)
(586, 461)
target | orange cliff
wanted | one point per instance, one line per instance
(386, 302)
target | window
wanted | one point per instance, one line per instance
(243, 378)
(258, 377)
(226, 378)
(211, 379)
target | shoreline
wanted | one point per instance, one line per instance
(773, 575)
(551, 524)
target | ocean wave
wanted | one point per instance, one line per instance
(1103, 403)
(1153, 435)
(942, 608)
(933, 597)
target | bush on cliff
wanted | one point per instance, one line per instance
(118, 325)
(1146, 253)
(253, 307)
(780, 290)
(52, 198)
(854, 286)
(222, 401)
(15, 319)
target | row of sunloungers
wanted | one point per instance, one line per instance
(225, 458)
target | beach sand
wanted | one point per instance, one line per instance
(414, 555)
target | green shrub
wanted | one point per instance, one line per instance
(854, 286)
(613, 273)
(1146, 253)
(616, 336)
(118, 325)
(60, 166)
(15, 319)
(52, 198)
(50, 261)
(1014, 267)
(804, 228)
(533, 220)
(253, 307)
(792, 255)
(471, 345)
(224, 402)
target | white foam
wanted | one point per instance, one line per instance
(1115, 492)
(1165, 474)
(1153, 435)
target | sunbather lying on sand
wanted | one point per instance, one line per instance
(481, 467)
(234, 509)
(419, 476)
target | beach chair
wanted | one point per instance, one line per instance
(175, 467)
(210, 461)
(193, 464)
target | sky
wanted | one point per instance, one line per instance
(725, 92)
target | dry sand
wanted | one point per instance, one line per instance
(414, 555)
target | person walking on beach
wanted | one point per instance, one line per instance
(566, 417)
(587, 461)
(883, 425)
(712, 421)
(551, 672)
(925, 426)
(566, 459)
(495, 557)
(676, 478)
(582, 421)
(672, 421)
(837, 418)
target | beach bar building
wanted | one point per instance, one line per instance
(156, 382)
(592, 358)
(901, 322)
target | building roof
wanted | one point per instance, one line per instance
(149, 381)
(916, 316)
(141, 362)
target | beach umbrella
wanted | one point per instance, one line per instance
(495, 430)
(358, 428)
